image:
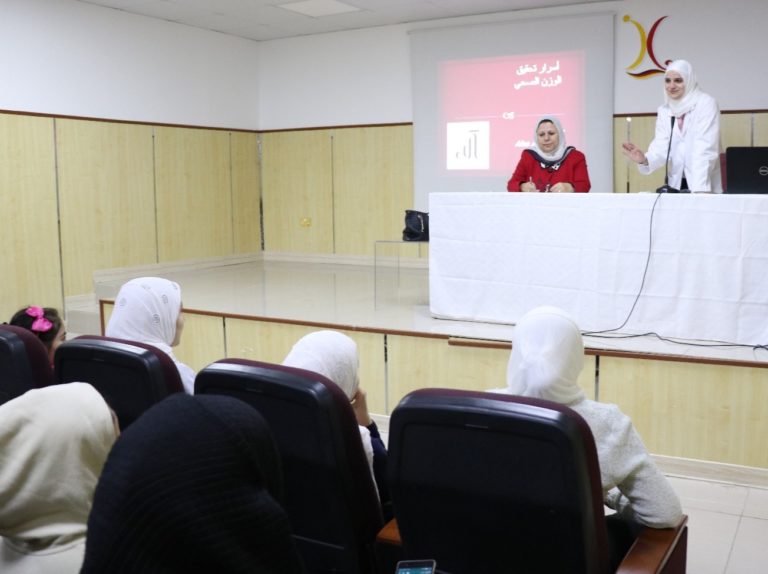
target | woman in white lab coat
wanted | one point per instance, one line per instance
(694, 156)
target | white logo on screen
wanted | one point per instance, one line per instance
(468, 145)
(763, 170)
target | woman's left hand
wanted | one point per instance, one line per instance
(562, 187)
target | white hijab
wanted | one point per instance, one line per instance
(146, 311)
(558, 153)
(328, 353)
(547, 357)
(53, 444)
(692, 92)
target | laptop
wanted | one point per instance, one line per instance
(746, 169)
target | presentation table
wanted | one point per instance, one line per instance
(687, 266)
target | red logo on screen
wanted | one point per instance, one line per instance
(646, 48)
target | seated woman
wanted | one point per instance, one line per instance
(334, 355)
(53, 444)
(550, 165)
(149, 310)
(192, 486)
(46, 323)
(547, 358)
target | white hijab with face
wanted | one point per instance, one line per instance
(692, 92)
(557, 153)
(53, 444)
(547, 357)
(328, 353)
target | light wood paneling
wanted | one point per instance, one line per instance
(202, 341)
(246, 200)
(708, 412)
(297, 192)
(194, 196)
(106, 194)
(642, 130)
(621, 165)
(271, 342)
(735, 130)
(420, 362)
(760, 137)
(30, 269)
(373, 185)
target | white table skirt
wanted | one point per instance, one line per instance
(494, 256)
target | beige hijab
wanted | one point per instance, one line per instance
(53, 444)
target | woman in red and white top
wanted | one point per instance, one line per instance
(550, 165)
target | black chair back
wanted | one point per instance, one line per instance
(487, 483)
(330, 495)
(24, 362)
(131, 376)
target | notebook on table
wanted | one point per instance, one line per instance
(746, 169)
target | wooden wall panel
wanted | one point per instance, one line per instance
(735, 130)
(246, 193)
(194, 193)
(621, 165)
(372, 184)
(271, 342)
(30, 268)
(760, 124)
(202, 341)
(697, 411)
(642, 130)
(297, 192)
(107, 199)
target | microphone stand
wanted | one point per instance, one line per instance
(666, 188)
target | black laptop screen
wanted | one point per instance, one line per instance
(746, 169)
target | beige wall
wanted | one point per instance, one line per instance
(83, 195)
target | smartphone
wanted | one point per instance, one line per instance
(415, 567)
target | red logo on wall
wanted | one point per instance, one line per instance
(646, 48)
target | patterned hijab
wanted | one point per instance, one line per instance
(192, 486)
(547, 357)
(692, 92)
(146, 310)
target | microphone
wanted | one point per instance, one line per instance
(666, 188)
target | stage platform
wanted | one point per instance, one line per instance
(355, 294)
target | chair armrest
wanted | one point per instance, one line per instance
(659, 550)
(389, 534)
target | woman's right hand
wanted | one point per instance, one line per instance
(528, 186)
(633, 152)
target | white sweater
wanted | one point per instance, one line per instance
(632, 483)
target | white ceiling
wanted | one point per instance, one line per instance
(272, 19)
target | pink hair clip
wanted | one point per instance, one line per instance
(40, 324)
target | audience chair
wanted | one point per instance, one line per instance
(131, 376)
(24, 362)
(487, 483)
(330, 495)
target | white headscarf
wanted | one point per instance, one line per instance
(146, 311)
(558, 153)
(547, 357)
(692, 92)
(328, 353)
(53, 444)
